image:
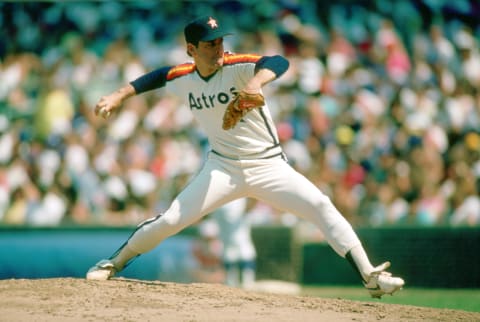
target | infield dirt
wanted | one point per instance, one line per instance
(119, 299)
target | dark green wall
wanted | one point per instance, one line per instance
(440, 257)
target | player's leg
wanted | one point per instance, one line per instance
(247, 272)
(280, 185)
(232, 273)
(239, 252)
(284, 188)
(211, 188)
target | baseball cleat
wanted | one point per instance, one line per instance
(102, 271)
(381, 282)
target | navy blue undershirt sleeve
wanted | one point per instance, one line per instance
(276, 64)
(153, 80)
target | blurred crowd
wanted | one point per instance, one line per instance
(380, 108)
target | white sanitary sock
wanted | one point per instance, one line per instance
(124, 255)
(361, 261)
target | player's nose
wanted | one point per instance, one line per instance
(219, 45)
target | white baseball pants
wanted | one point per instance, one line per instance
(272, 181)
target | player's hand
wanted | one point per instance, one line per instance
(106, 106)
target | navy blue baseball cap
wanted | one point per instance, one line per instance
(204, 28)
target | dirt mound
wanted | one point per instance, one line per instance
(73, 299)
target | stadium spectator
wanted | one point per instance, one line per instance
(387, 107)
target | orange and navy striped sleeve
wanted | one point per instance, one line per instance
(159, 77)
(232, 59)
(180, 70)
(276, 64)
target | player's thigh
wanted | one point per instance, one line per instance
(210, 188)
(286, 189)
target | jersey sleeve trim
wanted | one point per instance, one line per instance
(232, 59)
(159, 77)
(276, 64)
(180, 70)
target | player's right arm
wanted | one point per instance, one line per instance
(109, 103)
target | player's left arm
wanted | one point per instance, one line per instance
(267, 69)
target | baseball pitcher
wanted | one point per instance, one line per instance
(224, 92)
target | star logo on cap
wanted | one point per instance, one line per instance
(212, 23)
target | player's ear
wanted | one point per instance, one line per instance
(190, 49)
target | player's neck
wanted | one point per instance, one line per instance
(206, 72)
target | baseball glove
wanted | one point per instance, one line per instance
(240, 106)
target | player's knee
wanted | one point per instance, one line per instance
(171, 219)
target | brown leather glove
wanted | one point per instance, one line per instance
(240, 106)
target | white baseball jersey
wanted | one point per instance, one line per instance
(208, 99)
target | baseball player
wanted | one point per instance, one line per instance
(238, 253)
(224, 92)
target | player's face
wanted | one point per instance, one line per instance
(208, 56)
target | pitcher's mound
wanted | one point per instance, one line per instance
(73, 299)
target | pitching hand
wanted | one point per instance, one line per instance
(107, 105)
(110, 103)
